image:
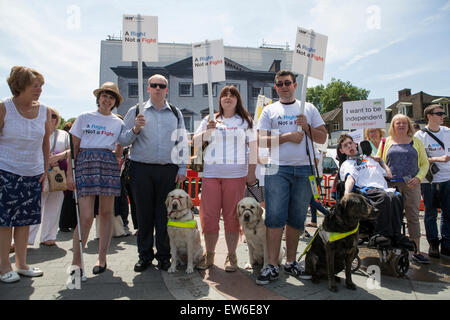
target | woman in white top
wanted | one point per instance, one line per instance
(52, 201)
(97, 172)
(226, 170)
(24, 152)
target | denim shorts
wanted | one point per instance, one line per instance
(287, 193)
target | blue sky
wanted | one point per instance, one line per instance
(382, 46)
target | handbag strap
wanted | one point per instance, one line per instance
(434, 137)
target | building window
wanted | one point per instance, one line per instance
(405, 110)
(256, 92)
(235, 84)
(133, 90)
(185, 89)
(336, 126)
(188, 123)
(214, 90)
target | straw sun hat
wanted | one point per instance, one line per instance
(109, 86)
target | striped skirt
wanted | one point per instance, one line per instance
(97, 172)
(20, 200)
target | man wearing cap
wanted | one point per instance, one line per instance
(159, 155)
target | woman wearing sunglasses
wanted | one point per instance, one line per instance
(52, 201)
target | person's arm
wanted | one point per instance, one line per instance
(267, 140)
(349, 184)
(46, 146)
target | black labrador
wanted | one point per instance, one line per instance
(325, 259)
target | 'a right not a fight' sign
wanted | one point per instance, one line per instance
(364, 114)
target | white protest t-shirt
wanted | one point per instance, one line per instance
(368, 174)
(281, 118)
(97, 131)
(226, 156)
(434, 149)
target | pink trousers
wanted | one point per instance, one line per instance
(220, 195)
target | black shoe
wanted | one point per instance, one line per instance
(164, 264)
(268, 274)
(141, 265)
(64, 229)
(445, 251)
(99, 269)
(433, 251)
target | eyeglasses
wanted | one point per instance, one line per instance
(161, 85)
(440, 114)
(54, 116)
(280, 84)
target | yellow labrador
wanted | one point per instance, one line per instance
(185, 243)
(251, 218)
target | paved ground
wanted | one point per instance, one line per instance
(121, 282)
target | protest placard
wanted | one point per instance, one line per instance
(138, 29)
(261, 103)
(310, 48)
(208, 55)
(363, 114)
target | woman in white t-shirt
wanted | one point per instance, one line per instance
(226, 170)
(51, 202)
(97, 172)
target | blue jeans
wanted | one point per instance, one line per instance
(428, 191)
(287, 192)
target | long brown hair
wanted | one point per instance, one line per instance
(240, 110)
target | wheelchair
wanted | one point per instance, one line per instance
(391, 252)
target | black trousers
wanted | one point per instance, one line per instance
(150, 184)
(390, 215)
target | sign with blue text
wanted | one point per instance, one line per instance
(309, 53)
(208, 62)
(140, 31)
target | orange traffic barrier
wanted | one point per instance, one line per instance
(192, 185)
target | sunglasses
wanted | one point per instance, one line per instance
(439, 113)
(280, 84)
(54, 116)
(161, 85)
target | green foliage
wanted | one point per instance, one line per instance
(327, 99)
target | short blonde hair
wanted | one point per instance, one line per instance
(53, 110)
(21, 77)
(158, 76)
(381, 131)
(400, 116)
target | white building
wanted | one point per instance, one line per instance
(251, 70)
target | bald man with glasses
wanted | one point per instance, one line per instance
(159, 155)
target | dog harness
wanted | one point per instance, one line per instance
(191, 224)
(328, 237)
(334, 236)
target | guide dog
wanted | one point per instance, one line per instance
(185, 243)
(327, 258)
(251, 218)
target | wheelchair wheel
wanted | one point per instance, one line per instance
(400, 264)
(356, 264)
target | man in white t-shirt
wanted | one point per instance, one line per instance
(368, 176)
(439, 188)
(287, 189)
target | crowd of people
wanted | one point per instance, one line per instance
(143, 156)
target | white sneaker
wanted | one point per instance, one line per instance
(10, 277)
(31, 272)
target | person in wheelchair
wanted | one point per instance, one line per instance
(367, 175)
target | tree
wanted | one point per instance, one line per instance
(329, 98)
